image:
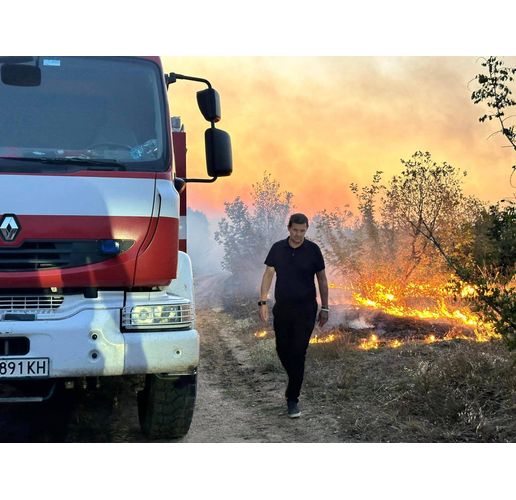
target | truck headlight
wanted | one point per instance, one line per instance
(152, 317)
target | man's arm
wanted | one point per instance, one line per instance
(323, 291)
(264, 292)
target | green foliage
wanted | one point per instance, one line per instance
(495, 243)
(489, 262)
(247, 234)
(478, 244)
(489, 265)
(495, 91)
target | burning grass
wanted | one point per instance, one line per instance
(440, 386)
(425, 301)
(355, 339)
(376, 377)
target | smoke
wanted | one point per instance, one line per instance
(205, 253)
(359, 324)
(215, 286)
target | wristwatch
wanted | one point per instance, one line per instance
(262, 302)
(325, 309)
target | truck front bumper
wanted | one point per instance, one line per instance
(85, 339)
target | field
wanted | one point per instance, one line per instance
(447, 391)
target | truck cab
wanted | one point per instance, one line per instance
(92, 281)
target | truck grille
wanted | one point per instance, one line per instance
(58, 254)
(34, 304)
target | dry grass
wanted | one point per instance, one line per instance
(455, 391)
(450, 391)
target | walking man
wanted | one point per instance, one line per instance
(295, 261)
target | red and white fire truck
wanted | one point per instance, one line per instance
(94, 278)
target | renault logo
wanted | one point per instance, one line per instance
(9, 227)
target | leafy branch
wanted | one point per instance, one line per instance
(495, 92)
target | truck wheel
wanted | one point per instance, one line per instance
(166, 404)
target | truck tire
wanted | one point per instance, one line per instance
(166, 405)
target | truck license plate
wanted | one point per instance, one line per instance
(24, 367)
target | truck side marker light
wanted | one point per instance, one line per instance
(110, 247)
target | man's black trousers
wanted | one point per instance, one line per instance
(293, 325)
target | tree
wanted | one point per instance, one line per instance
(246, 234)
(488, 262)
(356, 247)
(385, 243)
(427, 195)
(488, 265)
(496, 93)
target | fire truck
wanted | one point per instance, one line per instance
(95, 280)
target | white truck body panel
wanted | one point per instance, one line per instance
(84, 196)
(83, 336)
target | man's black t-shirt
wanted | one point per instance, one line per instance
(295, 270)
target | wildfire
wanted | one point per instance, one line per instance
(316, 339)
(332, 337)
(373, 341)
(370, 343)
(439, 303)
(384, 299)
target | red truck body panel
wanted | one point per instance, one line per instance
(95, 205)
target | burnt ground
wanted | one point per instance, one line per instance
(452, 391)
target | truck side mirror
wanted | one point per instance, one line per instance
(21, 75)
(219, 160)
(209, 104)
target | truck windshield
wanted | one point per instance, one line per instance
(85, 112)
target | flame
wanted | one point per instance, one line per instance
(374, 342)
(332, 337)
(383, 298)
(468, 291)
(395, 301)
(370, 343)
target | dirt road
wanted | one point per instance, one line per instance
(235, 403)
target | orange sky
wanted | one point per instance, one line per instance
(319, 123)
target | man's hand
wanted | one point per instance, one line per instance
(264, 313)
(322, 318)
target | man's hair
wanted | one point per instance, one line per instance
(298, 219)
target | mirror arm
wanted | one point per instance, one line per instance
(173, 77)
(213, 179)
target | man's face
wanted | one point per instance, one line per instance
(297, 232)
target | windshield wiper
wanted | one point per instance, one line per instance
(90, 164)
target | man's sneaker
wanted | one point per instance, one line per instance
(293, 409)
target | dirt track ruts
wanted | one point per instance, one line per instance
(235, 402)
